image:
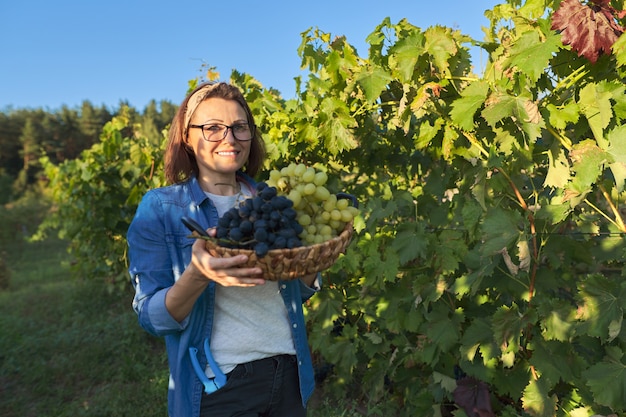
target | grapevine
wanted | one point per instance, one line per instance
(434, 301)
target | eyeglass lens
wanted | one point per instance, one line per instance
(217, 131)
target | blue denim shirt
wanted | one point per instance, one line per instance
(159, 252)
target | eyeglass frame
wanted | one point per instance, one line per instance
(251, 126)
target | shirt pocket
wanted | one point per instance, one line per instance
(180, 250)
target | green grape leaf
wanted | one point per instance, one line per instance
(529, 116)
(563, 115)
(507, 327)
(339, 60)
(617, 143)
(618, 169)
(556, 361)
(558, 168)
(373, 266)
(595, 104)
(451, 250)
(600, 307)
(440, 45)
(373, 81)
(500, 229)
(443, 328)
(533, 9)
(478, 333)
(446, 382)
(617, 150)
(341, 137)
(343, 353)
(427, 132)
(330, 308)
(505, 140)
(398, 314)
(619, 50)
(410, 242)
(405, 55)
(374, 338)
(588, 161)
(531, 55)
(607, 381)
(522, 110)
(337, 129)
(471, 214)
(557, 321)
(464, 108)
(554, 213)
(378, 263)
(379, 209)
(499, 106)
(537, 400)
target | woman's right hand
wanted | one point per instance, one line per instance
(180, 298)
(224, 271)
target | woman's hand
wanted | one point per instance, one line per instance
(224, 271)
(182, 296)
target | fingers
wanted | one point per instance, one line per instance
(226, 271)
(230, 281)
(234, 275)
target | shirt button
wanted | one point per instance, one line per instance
(295, 326)
(283, 286)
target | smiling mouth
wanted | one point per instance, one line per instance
(228, 153)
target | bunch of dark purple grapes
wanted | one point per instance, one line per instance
(263, 222)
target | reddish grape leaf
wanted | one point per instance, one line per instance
(472, 396)
(590, 29)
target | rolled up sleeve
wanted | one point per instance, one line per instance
(151, 269)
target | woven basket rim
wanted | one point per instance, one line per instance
(346, 233)
(287, 264)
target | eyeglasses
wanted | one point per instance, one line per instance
(215, 132)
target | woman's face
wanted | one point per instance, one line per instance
(223, 158)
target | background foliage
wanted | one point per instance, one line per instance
(486, 275)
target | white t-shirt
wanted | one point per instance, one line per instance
(249, 323)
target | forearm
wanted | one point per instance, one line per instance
(181, 298)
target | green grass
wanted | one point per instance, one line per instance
(69, 348)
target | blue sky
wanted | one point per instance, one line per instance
(55, 53)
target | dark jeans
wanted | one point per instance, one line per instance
(264, 388)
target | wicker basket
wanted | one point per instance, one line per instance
(288, 264)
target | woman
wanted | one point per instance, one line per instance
(236, 343)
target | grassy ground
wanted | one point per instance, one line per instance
(68, 348)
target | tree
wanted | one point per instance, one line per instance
(29, 140)
(10, 130)
(91, 121)
(26, 134)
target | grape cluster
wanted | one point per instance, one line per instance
(264, 222)
(321, 214)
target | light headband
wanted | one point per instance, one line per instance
(193, 103)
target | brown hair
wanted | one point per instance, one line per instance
(180, 161)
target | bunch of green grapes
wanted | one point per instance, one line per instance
(321, 213)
